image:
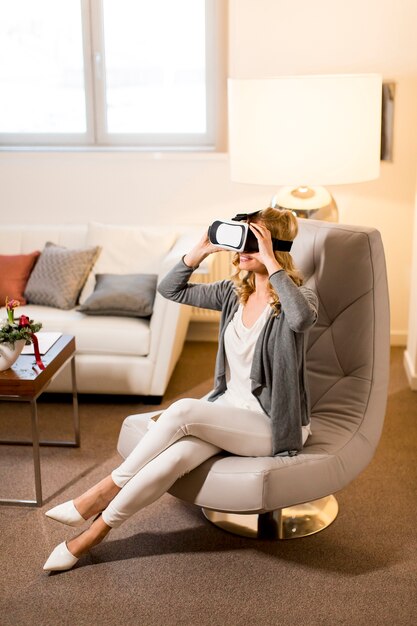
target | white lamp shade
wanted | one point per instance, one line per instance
(305, 130)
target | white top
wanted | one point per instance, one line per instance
(239, 342)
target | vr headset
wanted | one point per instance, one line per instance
(237, 236)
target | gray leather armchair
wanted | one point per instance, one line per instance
(348, 366)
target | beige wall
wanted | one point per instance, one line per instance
(277, 37)
(410, 355)
(266, 38)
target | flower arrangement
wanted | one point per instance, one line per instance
(12, 330)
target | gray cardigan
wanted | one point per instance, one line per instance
(278, 374)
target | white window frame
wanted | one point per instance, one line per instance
(97, 136)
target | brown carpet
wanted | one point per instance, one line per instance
(167, 565)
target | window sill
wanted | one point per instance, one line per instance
(145, 154)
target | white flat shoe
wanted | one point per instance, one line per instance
(66, 513)
(60, 559)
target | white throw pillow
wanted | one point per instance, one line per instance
(127, 250)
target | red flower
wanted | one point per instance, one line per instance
(23, 321)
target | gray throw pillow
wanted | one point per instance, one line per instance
(59, 275)
(128, 295)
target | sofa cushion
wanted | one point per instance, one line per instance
(94, 335)
(15, 270)
(127, 250)
(126, 295)
(59, 275)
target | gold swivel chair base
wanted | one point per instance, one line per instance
(292, 522)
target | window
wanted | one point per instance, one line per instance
(112, 72)
(41, 68)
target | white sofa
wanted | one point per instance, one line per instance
(115, 355)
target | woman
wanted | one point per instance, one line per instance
(259, 406)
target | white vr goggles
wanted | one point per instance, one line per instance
(236, 235)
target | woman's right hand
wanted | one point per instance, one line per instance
(200, 251)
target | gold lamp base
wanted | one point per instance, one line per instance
(292, 522)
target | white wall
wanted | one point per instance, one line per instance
(266, 38)
(112, 186)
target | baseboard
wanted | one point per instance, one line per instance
(398, 338)
(410, 371)
(203, 331)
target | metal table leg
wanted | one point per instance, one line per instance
(75, 413)
(36, 456)
(35, 443)
(36, 461)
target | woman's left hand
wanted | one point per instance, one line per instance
(266, 252)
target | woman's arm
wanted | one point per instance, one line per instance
(299, 304)
(175, 285)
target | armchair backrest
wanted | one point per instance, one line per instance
(348, 350)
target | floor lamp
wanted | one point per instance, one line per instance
(304, 131)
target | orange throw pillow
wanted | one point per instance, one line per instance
(15, 270)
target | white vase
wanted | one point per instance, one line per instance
(9, 353)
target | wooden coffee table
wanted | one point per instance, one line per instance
(25, 382)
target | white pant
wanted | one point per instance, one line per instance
(185, 435)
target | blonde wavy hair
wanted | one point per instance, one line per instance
(283, 225)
